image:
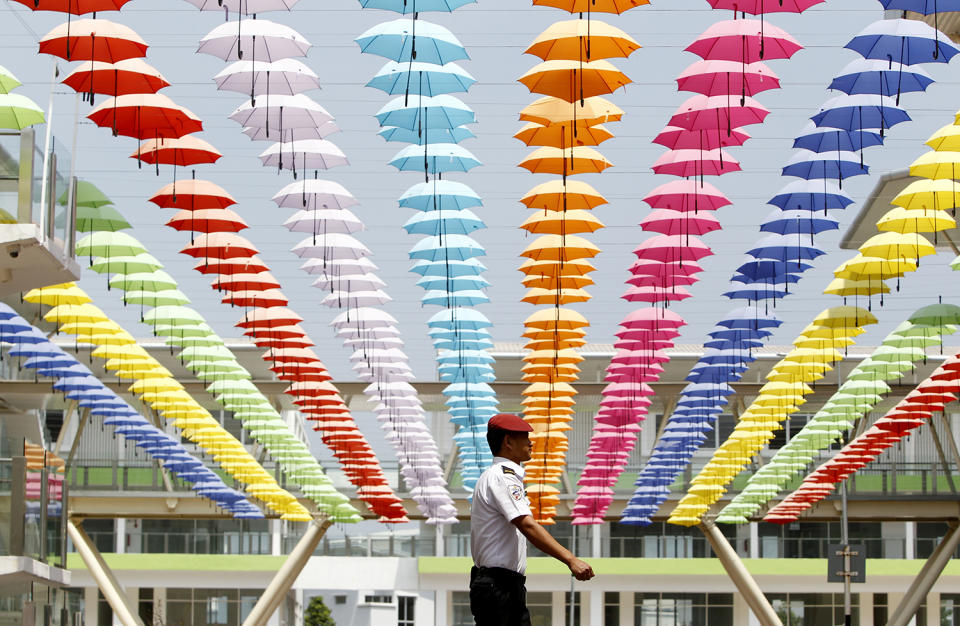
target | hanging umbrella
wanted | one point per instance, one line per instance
(860, 112)
(903, 41)
(324, 220)
(900, 220)
(743, 40)
(574, 80)
(434, 158)
(262, 39)
(418, 78)
(436, 223)
(246, 7)
(281, 113)
(589, 111)
(258, 133)
(760, 7)
(718, 77)
(674, 223)
(398, 39)
(108, 244)
(192, 195)
(405, 7)
(425, 113)
(579, 40)
(17, 112)
(266, 298)
(330, 246)
(936, 165)
(281, 77)
(682, 139)
(793, 222)
(669, 248)
(183, 151)
(817, 139)
(811, 195)
(929, 195)
(420, 137)
(145, 116)
(128, 76)
(93, 40)
(716, 112)
(220, 246)
(559, 195)
(314, 194)
(7, 80)
(880, 77)
(839, 165)
(563, 135)
(576, 160)
(687, 163)
(686, 195)
(793, 247)
(246, 282)
(240, 265)
(87, 195)
(313, 154)
(142, 262)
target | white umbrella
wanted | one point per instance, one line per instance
(247, 7)
(280, 113)
(366, 316)
(335, 267)
(354, 333)
(314, 194)
(324, 220)
(350, 282)
(255, 133)
(379, 355)
(262, 39)
(284, 77)
(330, 246)
(309, 154)
(340, 299)
(384, 342)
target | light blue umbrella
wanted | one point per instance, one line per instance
(423, 113)
(439, 195)
(398, 39)
(461, 222)
(459, 318)
(452, 247)
(447, 344)
(405, 7)
(436, 135)
(442, 282)
(421, 78)
(434, 158)
(903, 41)
(466, 297)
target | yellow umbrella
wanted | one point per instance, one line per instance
(105, 339)
(897, 246)
(900, 220)
(582, 40)
(91, 328)
(574, 80)
(559, 195)
(76, 313)
(568, 162)
(155, 385)
(134, 352)
(936, 165)
(838, 316)
(64, 293)
(538, 296)
(821, 331)
(805, 341)
(811, 355)
(785, 389)
(929, 195)
(862, 267)
(550, 110)
(562, 222)
(848, 287)
(556, 247)
(945, 139)
(563, 135)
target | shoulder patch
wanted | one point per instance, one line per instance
(507, 470)
(516, 492)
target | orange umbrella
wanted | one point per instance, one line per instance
(561, 333)
(562, 222)
(145, 116)
(573, 80)
(596, 6)
(582, 40)
(193, 195)
(555, 297)
(556, 318)
(208, 221)
(556, 282)
(93, 40)
(116, 79)
(563, 134)
(184, 151)
(557, 195)
(578, 160)
(557, 247)
(571, 267)
(550, 110)
(554, 344)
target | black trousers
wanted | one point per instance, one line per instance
(498, 597)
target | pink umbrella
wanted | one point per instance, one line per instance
(650, 293)
(652, 318)
(719, 77)
(687, 195)
(628, 389)
(672, 248)
(626, 344)
(759, 7)
(638, 357)
(675, 223)
(679, 138)
(745, 41)
(644, 334)
(658, 268)
(701, 112)
(666, 281)
(688, 163)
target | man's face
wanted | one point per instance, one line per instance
(520, 446)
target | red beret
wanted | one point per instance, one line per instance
(509, 422)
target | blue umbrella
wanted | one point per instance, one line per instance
(27, 336)
(452, 267)
(434, 158)
(750, 317)
(767, 269)
(423, 113)
(756, 291)
(790, 222)
(880, 77)
(739, 334)
(406, 40)
(817, 139)
(436, 135)
(810, 165)
(405, 7)
(743, 343)
(78, 383)
(809, 195)
(860, 112)
(463, 333)
(460, 282)
(37, 350)
(453, 247)
(466, 297)
(925, 7)
(733, 357)
(903, 41)
(474, 344)
(425, 79)
(459, 318)
(439, 195)
(776, 279)
(785, 248)
(461, 222)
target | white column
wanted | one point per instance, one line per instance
(866, 609)
(593, 607)
(754, 540)
(276, 537)
(441, 607)
(910, 541)
(596, 541)
(106, 581)
(120, 536)
(424, 611)
(91, 606)
(439, 543)
(557, 613)
(626, 608)
(933, 609)
(160, 605)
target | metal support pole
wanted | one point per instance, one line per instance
(925, 580)
(106, 581)
(277, 590)
(744, 582)
(845, 540)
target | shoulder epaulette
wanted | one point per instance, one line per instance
(507, 470)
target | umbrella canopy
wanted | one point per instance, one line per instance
(903, 41)
(577, 40)
(93, 40)
(398, 39)
(145, 116)
(314, 154)
(114, 79)
(574, 80)
(262, 39)
(746, 41)
(192, 195)
(17, 112)
(719, 77)
(183, 151)
(418, 78)
(281, 77)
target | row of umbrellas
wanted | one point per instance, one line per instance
(862, 390)
(421, 71)
(278, 109)
(565, 125)
(731, 71)
(77, 383)
(846, 123)
(16, 110)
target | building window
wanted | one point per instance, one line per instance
(405, 606)
(221, 607)
(339, 599)
(377, 598)
(797, 609)
(611, 608)
(576, 608)
(683, 609)
(540, 604)
(460, 602)
(949, 609)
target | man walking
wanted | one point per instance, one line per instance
(500, 518)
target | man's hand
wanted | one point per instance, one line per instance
(580, 569)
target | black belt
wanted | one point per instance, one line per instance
(498, 573)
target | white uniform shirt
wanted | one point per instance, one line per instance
(499, 498)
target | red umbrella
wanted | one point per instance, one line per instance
(145, 116)
(277, 332)
(312, 389)
(675, 223)
(687, 163)
(269, 318)
(718, 77)
(679, 138)
(291, 355)
(246, 282)
(208, 221)
(701, 112)
(250, 265)
(274, 342)
(220, 246)
(93, 40)
(265, 298)
(687, 195)
(192, 195)
(116, 79)
(184, 151)
(743, 40)
(74, 7)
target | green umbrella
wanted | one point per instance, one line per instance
(898, 341)
(225, 386)
(173, 316)
(865, 386)
(87, 195)
(106, 217)
(162, 297)
(186, 332)
(217, 375)
(126, 264)
(889, 354)
(17, 112)
(207, 353)
(107, 244)
(157, 280)
(7, 80)
(937, 315)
